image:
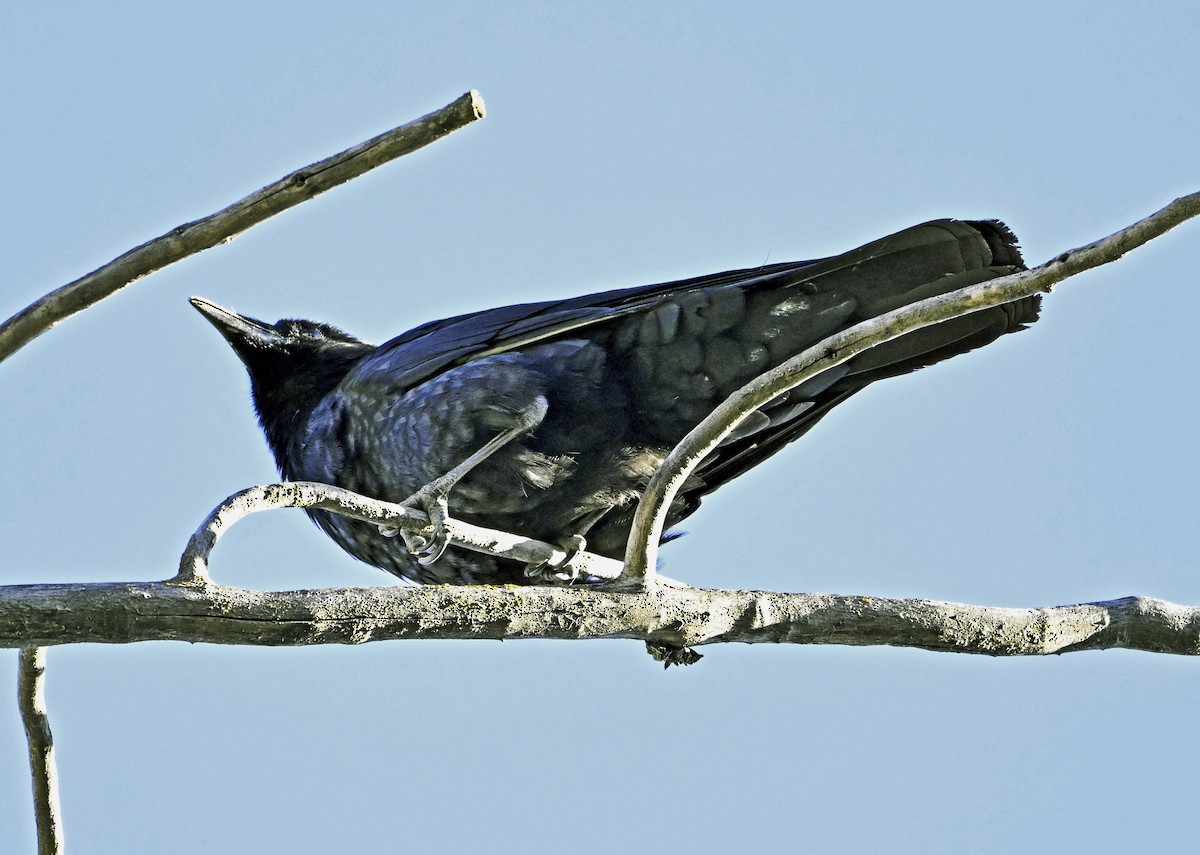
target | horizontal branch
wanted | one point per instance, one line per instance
(224, 225)
(642, 547)
(121, 613)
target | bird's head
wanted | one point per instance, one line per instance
(292, 364)
(263, 347)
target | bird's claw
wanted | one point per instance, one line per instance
(561, 570)
(429, 545)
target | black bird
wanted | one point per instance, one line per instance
(562, 410)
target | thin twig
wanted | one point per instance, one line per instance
(193, 566)
(31, 698)
(190, 238)
(642, 547)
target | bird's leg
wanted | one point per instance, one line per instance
(433, 497)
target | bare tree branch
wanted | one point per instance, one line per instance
(193, 566)
(224, 225)
(31, 698)
(642, 548)
(121, 613)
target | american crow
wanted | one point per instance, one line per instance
(560, 411)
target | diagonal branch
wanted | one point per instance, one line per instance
(642, 548)
(31, 698)
(224, 225)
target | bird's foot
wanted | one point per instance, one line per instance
(561, 570)
(427, 546)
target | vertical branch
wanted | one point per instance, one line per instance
(31, 698)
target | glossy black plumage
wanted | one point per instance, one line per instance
(621, 377)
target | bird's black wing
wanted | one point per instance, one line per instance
(415, 356)
(421, 353)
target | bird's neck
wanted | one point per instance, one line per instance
(285, 402)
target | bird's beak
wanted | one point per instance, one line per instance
(241, 332)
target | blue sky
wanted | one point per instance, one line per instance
(625, 144)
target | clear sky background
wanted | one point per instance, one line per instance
(624, 144)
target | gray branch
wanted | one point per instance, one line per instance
(31, 698)
(642, 548)
(224, 225)
(193, 566)
(122, 613)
